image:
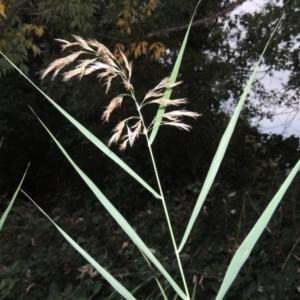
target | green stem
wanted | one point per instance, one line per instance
(162, 198)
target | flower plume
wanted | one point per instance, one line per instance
(108, 67)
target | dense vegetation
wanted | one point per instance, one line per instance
(35, 262)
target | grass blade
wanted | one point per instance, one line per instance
(221, 150)
(118, 217)
(90, 136)
(195, 287)
(246, 247)
(173, 77)
(162, 292)
(113, 282)
(5, 214)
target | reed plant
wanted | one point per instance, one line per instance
(109, 67)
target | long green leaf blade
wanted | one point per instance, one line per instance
(90, 136)
(221, 151)
(113, 282)
(246, 247)
(118, 217)
(173, 77)
(5, 214)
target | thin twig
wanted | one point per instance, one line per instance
(235, 246)
(292, 250)
(268, 229)
(209, 19)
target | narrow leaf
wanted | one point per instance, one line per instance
(221, 150)
(4, 216)
(173, 77)
(2, 9)
(246, 247)
(113, 282)
(90, 136)
(118, 217)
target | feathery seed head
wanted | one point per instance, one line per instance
(108, 67)
(115, 103)
(105, 62)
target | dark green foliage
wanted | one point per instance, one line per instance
(254, 167)
(212, 72)
(37, 263)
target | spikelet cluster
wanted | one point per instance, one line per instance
(104, 63)
(88, 270)
(108, 67)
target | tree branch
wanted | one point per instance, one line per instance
(209, 19)
(12, 12)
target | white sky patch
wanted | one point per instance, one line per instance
(286, 121)
(249, 6)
